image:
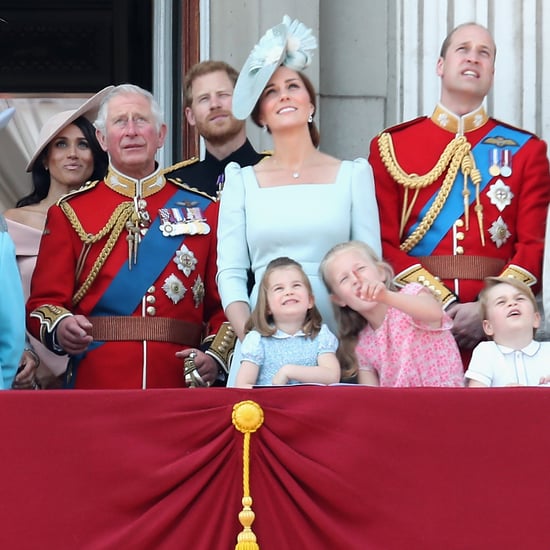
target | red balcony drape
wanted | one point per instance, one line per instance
(331, 468)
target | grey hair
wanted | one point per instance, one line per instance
(122, 89)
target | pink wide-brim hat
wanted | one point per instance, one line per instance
(57, 122)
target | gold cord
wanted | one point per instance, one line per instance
(456, 155)
(115, 225)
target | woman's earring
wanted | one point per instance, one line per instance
(265, 128)
(310, 119)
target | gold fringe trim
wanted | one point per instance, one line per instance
(457, 155)
(247, 417)
(115, 225)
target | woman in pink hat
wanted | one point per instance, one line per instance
(67, 155)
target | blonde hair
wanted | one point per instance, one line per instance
(262, 321)
(492, 282)
(350, 323)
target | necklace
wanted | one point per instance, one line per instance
(296, 175)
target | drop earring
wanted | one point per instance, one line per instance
(310, 119)
(265, 128)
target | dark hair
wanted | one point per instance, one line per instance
(41, 176)
(313, 131)
(201, 69)
(262, 321)
(447, 42)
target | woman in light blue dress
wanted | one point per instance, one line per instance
(298, 202)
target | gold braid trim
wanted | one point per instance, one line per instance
(114, 226)
(456, 155)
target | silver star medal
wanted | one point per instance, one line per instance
(174, 288)
(185, 260)
(500, 194)
(499, 232)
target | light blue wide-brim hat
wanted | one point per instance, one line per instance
(289, 43)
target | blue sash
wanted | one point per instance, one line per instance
(454, 205)
(128, 287)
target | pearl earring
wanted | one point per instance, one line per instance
(265, 128)
(310, 119)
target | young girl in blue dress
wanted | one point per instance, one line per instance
(286, 341)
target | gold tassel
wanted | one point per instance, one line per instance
(475, 175)
(247, 417)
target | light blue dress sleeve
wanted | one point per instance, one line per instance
(365, 221)
(12, 310)
(328, 343)
(233, 257)
(252, 349)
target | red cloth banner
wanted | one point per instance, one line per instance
(339, 468)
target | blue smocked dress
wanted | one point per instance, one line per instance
(270, 353)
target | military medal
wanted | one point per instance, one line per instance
(499, 232)
(198, 292)
(186, 221)
(219, 184)
(174, 288)
(506, 165)
(494, 168)
(500, 194)
(185, 260)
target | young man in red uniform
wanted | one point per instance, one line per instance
(462, 196)
(125, 277)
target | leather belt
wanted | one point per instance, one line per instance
(462, 267)
(158, 329)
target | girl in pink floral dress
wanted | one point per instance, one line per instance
(388, 337)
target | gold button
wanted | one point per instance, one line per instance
(460, 250)
(151, 289)
(460, 236)
(151, 299)
(151, 310)
(459, 223)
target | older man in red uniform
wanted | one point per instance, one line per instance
(125, 277)
(462, 196)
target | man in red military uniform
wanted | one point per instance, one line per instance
(125, 277)
(462, 196)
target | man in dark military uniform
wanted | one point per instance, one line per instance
(462, 196)
(208, 99)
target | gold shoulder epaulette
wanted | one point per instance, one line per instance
(418, 274)
(519, 273)
(183, 185)
(85, 187)
(179, 165)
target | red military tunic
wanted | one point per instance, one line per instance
(81, 256)
(512, 205)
